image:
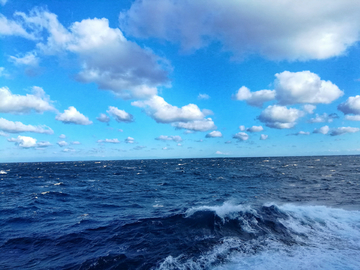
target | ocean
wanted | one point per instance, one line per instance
(227, 213)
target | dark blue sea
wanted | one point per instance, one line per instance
(233, 213)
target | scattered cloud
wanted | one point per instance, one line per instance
(257, 98)
(139, 147)
(13, 28)
(75, 143)
(62, 143)
(197, 125)
(242, 136)
(162, 112)
(17, 127)
(222, 153)
(324, 118)
(3, 2)
(17, 104)
(203, 96)
(323, 130)
(280, 117)
(300, 133)
(108, 141)
(29, 59)
(72, 116)
(169, 138)
(343, 130)
(28, 142)
(214, 134)
(263, 137)
(130, 140)
(306, 31)
(308, 108)
(120, 115)
(62, 136)
(255, 129)
(103, 118)
(351, 106)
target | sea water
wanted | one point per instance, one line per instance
(233, 213)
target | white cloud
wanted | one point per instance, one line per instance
(222, 153)
(29, 59)
(175, 138)
(130, 140)
(255, 129)
(241, 136)
(242, 128)
(62, 143)
(72, 116)
(301, 133)
(62, 136)
(280, 117)
(106, 57)
(263, 137)
(351, 105)
(28, 142)
(108, 141)
(214, 134)
(103, 118)
(75, 143)
(304, 87)
(343, 130)
(324, 118)
(13, 28)
(353, 117)
(120, 115)
(197, 125)
(257, 98)
(292, 30)
(308, 108)
(4, 134)
(139, 147)
(162, 112)
(37, 101)
(3, 2)
(3, 72)
(203, 96)
(17, 127)
(323, 130)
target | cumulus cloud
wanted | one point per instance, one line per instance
(72, 116)
(255, 129)
(324, 118)
(106, 57)
(222, 153)
(28, 142)
(280, 117)
(214, 134)
(257, 98)
(242, 136)
(323, 130)
(353, 117)
(197, 125)
(120, 115)
(108, 141)
(162, 112)
(343, 130)
(242, 128)
(311, 29)
(62, 136)
(175, 138)
(304, 87)
(103, 118)
(37, 101)
(293, 88)
(130, 140)
(17, 127)
(203, 96)
(263, 137)
(351, 106)
(62, 143)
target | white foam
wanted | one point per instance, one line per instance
(3, 172)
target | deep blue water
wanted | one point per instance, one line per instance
(243, 213)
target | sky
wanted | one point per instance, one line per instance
(104, 80)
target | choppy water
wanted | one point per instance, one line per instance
(245, 213)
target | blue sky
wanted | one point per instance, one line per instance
(85, 80)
